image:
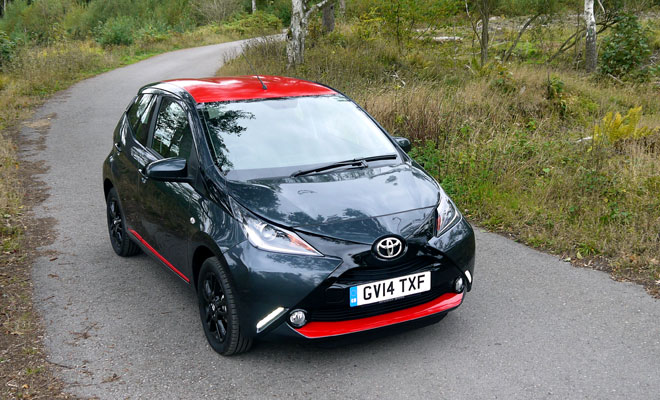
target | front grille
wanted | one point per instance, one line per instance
(344, 312)
(378, 273)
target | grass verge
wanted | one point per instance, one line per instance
(510, 142)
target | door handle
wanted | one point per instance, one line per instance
(118, 147)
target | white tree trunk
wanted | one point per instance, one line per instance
(254, 6)
(295, 45)
(591, 51)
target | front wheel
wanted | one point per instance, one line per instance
(218, 310)
(122, 244)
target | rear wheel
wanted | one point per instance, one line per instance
(122, 244)
(218, 310)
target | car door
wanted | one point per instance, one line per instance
(130, 150)
(164, 206)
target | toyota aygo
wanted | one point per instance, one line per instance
(286, 207)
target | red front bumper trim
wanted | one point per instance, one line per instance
(317, 330)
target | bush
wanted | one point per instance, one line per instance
(626, 49)
(7, 48)
(254, 24)
(116, 31)
(213, 11)
(39, 20)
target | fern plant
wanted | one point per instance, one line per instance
(615, 127)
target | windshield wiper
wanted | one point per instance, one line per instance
(356, 162)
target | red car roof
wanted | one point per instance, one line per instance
(248, 87)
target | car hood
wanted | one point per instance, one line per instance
(357, 205)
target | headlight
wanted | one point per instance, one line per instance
(267, 237)
(446, 215)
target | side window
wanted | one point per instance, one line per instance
(138, 117)
(172, 135)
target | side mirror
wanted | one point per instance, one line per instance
(168, 170)
(403, 143)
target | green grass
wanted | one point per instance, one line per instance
(504, 140)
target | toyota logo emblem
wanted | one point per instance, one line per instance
(389, 247)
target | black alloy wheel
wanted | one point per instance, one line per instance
(217, 309)
(122, 244)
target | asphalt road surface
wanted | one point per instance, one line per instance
(533, 326)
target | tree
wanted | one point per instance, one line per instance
(329, 17)
(401, 18)
(484, 8)
(295, 44)
(254, 6)
(591, 51)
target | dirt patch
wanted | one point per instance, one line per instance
(25, 371)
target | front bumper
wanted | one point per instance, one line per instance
(320, 285)
(319, 330)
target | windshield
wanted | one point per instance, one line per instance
(274, 137)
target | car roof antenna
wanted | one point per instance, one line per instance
(263, 85)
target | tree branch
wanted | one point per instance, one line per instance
(315, 7)
(565, 46)
(515, 43)
(474, 27)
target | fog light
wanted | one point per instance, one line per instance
(298, 318)
(458, 285)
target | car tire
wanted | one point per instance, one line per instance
(120, 240)
(218, 310)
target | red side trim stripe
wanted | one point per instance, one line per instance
(161, 258)
(315, 330)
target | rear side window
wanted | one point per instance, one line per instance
(138, 117)
(172, 135)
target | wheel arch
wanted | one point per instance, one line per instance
(107, 186)
(202, 251)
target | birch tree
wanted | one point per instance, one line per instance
(254, 6)
(295, 44)
(591, 52)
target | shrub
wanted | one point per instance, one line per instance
(503, 80)
(368, 25)
(626, 48)
(253, 24)
(152, 32)
(555, 94)
(210, 11)
(39, 20)
(7, 48)
(115, 31)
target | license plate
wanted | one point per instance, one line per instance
(390, 289)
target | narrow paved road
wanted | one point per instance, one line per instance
(533, 327)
